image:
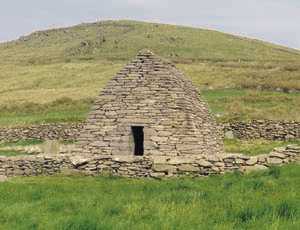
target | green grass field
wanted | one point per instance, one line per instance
(255, 147)
(13, 153)
(28, 142)
(52, 76)
(264, 200)
(10, 153)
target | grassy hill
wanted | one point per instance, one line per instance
(53, 75)
(121, 40)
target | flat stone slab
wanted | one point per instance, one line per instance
(252, 161)
(78, 161)
(254, 168)
(274, 161)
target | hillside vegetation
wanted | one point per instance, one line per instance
(53, 75)
(261, 200)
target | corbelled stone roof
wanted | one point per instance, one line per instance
(152, 93)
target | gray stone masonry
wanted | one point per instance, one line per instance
(256, 129)
(56, 131)
(151, 93)
(264, 129)
(145, 166)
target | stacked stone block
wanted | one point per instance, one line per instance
(57, 131)
(145, 166)
(264, 129)
(151, 93)
(256, 129)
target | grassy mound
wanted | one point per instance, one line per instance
(264, 200)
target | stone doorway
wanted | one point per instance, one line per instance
(138, 138)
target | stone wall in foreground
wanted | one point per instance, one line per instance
(134, 166)
(271, 130)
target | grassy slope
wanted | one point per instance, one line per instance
(268, 199)
(76, 63)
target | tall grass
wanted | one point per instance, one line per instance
(263, 75)
(21, 143)
(60, 110)
(262, 200)
(239, 104)
(12, 153)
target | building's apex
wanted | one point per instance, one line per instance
(145, 52)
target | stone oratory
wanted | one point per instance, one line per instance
(147, 122)
(150, 109)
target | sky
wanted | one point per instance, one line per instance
(276, 21)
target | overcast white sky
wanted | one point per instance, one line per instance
(272, 20)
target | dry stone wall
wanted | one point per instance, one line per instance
(30, 165)
(63, 131)
(150, 93)
(152, 166)
(264, 129)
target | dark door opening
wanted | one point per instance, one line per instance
(138, 138)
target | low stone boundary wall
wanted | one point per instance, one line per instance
(154, 166)
(263, 129)
(63, 131)
(271, 130)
